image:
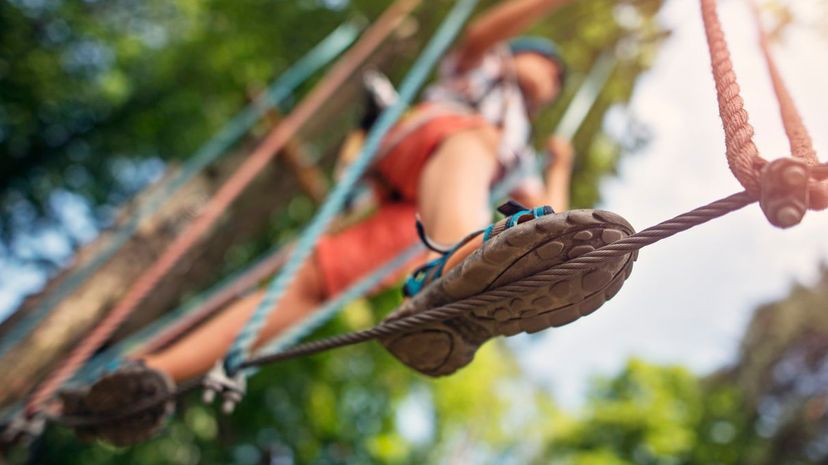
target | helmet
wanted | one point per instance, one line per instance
(541, 46)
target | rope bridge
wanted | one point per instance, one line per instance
(785, 188)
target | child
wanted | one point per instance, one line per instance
(440, 162)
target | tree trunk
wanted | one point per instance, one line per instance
(25, 365)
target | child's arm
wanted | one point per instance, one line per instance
(500, 23)
(555, 191)
(559, 173)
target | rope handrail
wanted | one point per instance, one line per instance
(798, 137)
(279, 90)
(568, 269)
(229, 191)
(414, 80)
(742, 154)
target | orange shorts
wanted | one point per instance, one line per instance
(352, 254)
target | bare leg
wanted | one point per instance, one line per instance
(196, 353)
(455, 186)
(454, 201)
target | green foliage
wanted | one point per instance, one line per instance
(88, 89)
(653, 415)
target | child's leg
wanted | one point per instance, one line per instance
(455, 186)
(197, 352)
(339, 260)
(453, 201)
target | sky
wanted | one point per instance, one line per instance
(690, 297)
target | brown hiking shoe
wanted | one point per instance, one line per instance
(513, 249)
(113, 396)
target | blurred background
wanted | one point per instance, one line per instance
(715, 351)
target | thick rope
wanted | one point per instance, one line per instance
(742, 154)
(582, 264)
(799, 138)
(218, 204)
(328, 49)
(336, 200)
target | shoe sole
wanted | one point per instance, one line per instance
(118, 392)
(439, 349)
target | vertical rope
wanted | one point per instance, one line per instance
(216, 206)
(742, 154)
(333, 204)
(798, 136)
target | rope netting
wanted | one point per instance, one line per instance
(743, 157)
(223, 198)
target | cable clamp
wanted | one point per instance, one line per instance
(785, 191)
(23, 428)
(231, 389)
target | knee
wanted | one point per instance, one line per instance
(469, 156)
(310, 281)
